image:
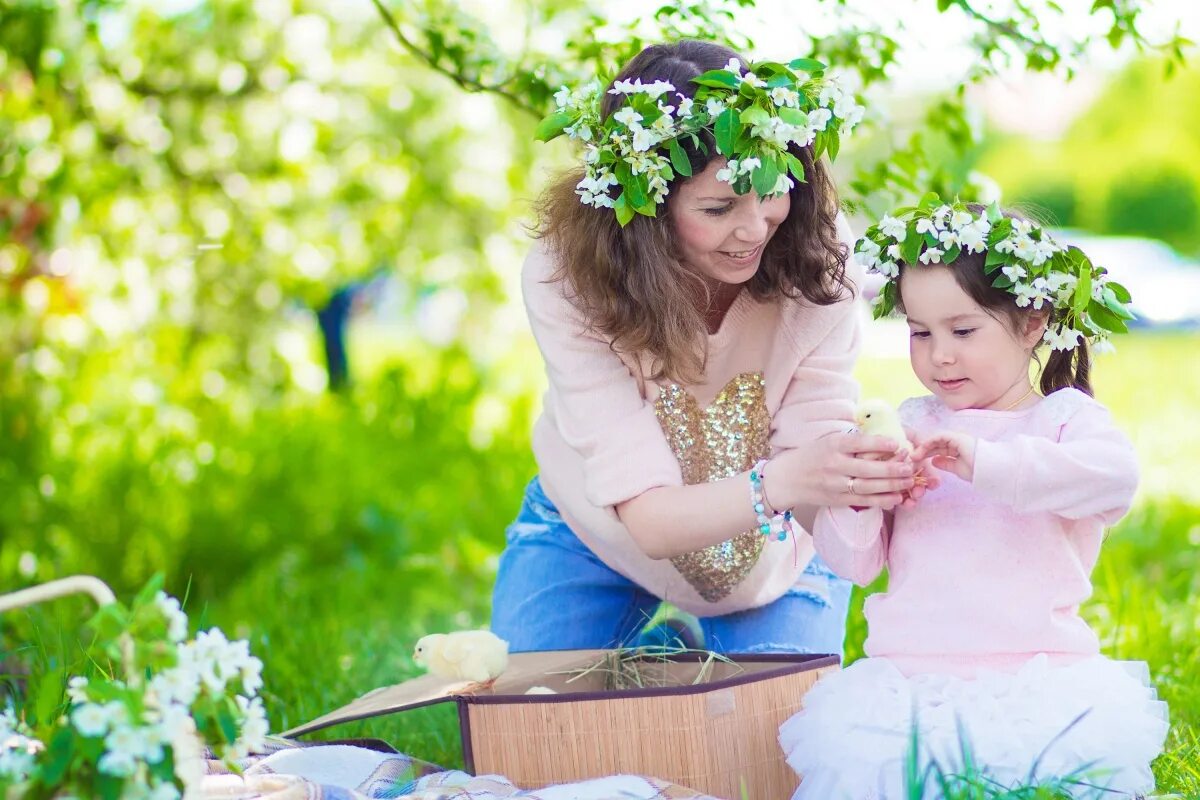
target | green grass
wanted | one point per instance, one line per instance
(332, 627)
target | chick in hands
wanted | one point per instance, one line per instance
(477, 656)
(878, 418)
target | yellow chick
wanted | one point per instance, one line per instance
(478, 656)
(878, 418)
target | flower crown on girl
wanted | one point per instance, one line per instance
(1025, 260)
(753, 115)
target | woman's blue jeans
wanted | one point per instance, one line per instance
(553, 593)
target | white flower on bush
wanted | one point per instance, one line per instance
(893, 252)
(177, 623)
(176, 686)
(18, 750)
(925, 225)
(77, 689)
(948, 238)
(870, 252)
(685, 106)
(90, 719)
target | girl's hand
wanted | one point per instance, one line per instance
(949, 451)
(838, 470)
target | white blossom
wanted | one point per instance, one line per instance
(783, 96)
(628, 117)
(90, 719)
(931, 255)
(1014, 272)
(973, 237)
(960, 219)
(819, 118)
(893, 227)
(783, 184)
(685, 106)
(1065, 338)
(893, 252)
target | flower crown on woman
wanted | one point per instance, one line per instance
(1024, 259)
(753, 115)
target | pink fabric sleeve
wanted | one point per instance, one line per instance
(1090, 471)
(598, 406)
(853, 543)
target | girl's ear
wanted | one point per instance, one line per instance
(1035, 326)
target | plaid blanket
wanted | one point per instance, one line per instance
(291, 771)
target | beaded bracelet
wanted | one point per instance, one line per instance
(778, 524)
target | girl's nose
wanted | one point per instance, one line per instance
(943, 353)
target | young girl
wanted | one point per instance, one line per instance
(977, 646)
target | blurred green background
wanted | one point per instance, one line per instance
(185, 186)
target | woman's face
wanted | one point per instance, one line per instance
(722, 234)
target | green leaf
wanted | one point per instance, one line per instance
(994, 214)
(995, 258)
(1002, 281)
(726, 131)
(780, 81)
(49, 695)
(624, 212)
(638, 190)
(226, 719)
(793, 116)
(942, 5)
(1105, 318)
(552, 126)
(754, 116)
(1083, 291)
(951, 254)
(929, 200)
(679, 159)
(795, 166)
(717, 78)
(1113, 304)
(910, 248)
(834, 142)
(765, 177)
(1120, 291)
(58, 756)
(807, 64)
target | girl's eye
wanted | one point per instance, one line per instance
(920, 334)
(963, 332)
(716, 212)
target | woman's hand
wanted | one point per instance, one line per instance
(949, 451)
(839, 470)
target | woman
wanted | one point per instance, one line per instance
(683, 349)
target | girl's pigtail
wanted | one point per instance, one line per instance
(1068, 368)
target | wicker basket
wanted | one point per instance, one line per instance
(718, 736)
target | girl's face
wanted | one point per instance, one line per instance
(722, 234)
(961, 353)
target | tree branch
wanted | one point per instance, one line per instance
(464, 82)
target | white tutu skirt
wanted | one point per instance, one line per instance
(851, 740)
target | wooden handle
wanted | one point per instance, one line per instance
(76, 584)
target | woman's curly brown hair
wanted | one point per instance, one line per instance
(629, 282)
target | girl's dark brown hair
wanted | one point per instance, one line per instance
(629, 282)
(1064, 368)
